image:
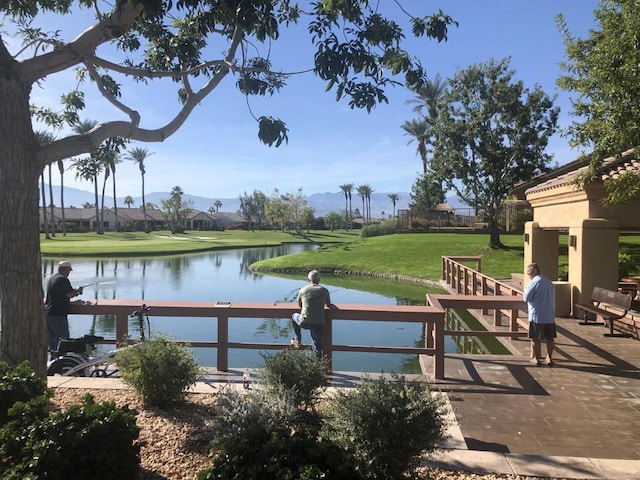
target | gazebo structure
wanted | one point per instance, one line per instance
(559, 205)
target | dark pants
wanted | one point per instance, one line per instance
(57, 327)
(317, 333)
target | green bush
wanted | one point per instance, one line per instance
(298, 371)
(279, 455)
(626, 265)
(386, 227)
(386, 425)
(97, 441)
(18, 384)
(159, 370)
(236, 414)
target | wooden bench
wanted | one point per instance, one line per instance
(601, 296)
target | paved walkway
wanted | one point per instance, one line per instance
(579, 419)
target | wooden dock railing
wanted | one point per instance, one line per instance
(222, 312)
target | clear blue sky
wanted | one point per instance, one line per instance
(217, 153)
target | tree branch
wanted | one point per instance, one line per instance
(132, 114)
(78, 50)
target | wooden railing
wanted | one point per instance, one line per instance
(468, 281)
(222, 312)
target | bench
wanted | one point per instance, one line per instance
(601, 296)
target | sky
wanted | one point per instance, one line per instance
(217, 153)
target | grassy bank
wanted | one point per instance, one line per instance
(166, 243)
(413, 255)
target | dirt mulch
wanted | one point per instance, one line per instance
(177, 443)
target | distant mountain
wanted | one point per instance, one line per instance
(321, 202)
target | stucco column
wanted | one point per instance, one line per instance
(541, 247)
(593, 257)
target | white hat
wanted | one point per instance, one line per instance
(65, 264)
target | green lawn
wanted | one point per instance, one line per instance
(412, 254)
(420, 255)
(165, 243)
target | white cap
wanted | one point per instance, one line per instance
(65, 264)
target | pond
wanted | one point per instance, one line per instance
(224, 275)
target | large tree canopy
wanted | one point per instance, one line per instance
(604, 70)
(197, 44)
(492, 133)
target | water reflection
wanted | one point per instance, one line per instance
(225, 276)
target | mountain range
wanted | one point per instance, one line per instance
(321, 202)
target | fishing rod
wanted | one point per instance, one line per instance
(95, 283)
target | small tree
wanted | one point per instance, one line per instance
(176, 211)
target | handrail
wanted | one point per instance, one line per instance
(467, 281)
(432, 317)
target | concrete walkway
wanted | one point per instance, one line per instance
(577, 420)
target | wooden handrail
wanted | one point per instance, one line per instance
(432, 317)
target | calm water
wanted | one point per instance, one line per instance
(224, 276)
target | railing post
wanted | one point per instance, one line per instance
(483, 287)
(223, 344)
(444, 268)
(122, 327)
(497, 314)
(438, 355)
(328, 340)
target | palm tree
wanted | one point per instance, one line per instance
(394, 198)
(368, 191)
(110, 164)
(429, 97)
(45, 138)
(128, 201)
(362, 191)
(346, 189)
(419, 130)
(217, 204)
(53, 223)
(139, 155)
(427, 102)
(64, 221)
(89, 168)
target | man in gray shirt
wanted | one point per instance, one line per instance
(312, 299)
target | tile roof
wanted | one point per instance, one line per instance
(611, 167)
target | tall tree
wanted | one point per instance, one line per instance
(176, 211)
(217, 204)
(358, 54)
(64, 220)
(44, 138)
(128, 201)
(362, 191)
(394, 198)
(347, 188)
(139, 155)
(493, 133)
(89, 168)
(603, 71)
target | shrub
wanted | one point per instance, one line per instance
(386, 227)
(236, 414)
(260, 455)
(18, 384)
(159, 370)
(298, 371)
(626, 265)
(386, 425)
(97, 441)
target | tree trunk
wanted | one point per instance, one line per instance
(23, 334)
(494, 233)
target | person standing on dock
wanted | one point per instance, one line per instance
(312, 299)
(56, 305)
(539, 296)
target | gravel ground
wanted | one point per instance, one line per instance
(176, 443)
